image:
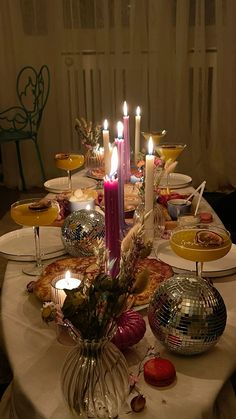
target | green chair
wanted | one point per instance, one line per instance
(20, 123)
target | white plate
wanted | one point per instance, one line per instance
(60, 184)
(176, 180)
(217, 268)
(19, 244)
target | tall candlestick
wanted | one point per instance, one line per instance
(112, 225)
(105, 134)
(137, 134)
(119, 141)
(126, 143)
(149, 182)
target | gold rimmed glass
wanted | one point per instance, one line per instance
(169, 152)
(200, 243)
(156, 135)
(34, 212)
(69, 162)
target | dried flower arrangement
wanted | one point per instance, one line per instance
(161, 169)
(93, 307)
(90, 134)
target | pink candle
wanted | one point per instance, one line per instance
(126, 143)
(119, 141)
(112, 225)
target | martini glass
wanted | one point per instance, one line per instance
(156, 135)
(169, 152)
(200, 243)
(34, 212)
(69, 162)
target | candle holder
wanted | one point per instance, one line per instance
(58, 296)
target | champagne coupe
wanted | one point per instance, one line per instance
(69, 162)
(200, 243)
(34, 212)
(169, 152)
(156, 135)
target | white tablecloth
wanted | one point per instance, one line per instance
(201, 391)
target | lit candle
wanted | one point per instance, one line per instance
(137, 134)
(119, 141)
(105, 134)
(112, 225)
(149, 182)
(58, 285)
(126, 143)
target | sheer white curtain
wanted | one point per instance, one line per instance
(173, 58)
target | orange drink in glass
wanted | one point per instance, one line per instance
(69, 162)
(34, 213)
(200, 243)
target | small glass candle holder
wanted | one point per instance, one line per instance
(58, 295)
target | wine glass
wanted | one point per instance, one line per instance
(69, 162)
(200, 243)
(34, 212)
(169, 152)
(156, 135)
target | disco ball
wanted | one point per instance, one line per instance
(80, 231)
(187, 314)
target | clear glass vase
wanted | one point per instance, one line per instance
(94, 158)
(158, 218)
(95, 379)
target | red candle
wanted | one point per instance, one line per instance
(126, 143)
(119, 141)
(112, 225)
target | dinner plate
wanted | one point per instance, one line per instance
(19, 244)
(95, 174)
(216, 268)
(176, 180)
(60, 184)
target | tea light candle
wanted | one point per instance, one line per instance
(149, 195)
(60, 283)
(137, 134)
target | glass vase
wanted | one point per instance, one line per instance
(95, 379)
(158, 218)
(94, 158)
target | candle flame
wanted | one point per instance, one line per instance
(150, 145)
(125, 109)
(105, 124)
(120, 129)
(114, 161)
(138, 110)
(67, 275)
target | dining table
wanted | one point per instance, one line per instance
(202, 389)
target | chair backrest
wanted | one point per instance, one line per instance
(33, 90)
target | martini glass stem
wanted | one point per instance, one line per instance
(167, 183)
(37, 247)
(69, 180)
(199, 266)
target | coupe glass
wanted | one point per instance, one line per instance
(169, 152)
(69, 162)
(156, 135)
(200, 243)
(34, 212)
